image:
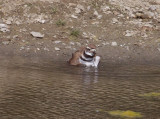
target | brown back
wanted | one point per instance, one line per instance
(75, 56)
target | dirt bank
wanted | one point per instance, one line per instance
(123, 31)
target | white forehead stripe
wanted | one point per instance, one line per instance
(93, 50)
(88, 48)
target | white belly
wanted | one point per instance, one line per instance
(93, 63)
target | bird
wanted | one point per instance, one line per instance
(85, 56)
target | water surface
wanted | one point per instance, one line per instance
(33, 89)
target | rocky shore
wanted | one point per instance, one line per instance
(124, 31)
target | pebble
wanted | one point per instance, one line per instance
(105, 8)
(96, 14)
(73, 16)
(88, 8)
(127, 47)
(63, 44)
(15, 36)
(37, 34)
(57, 49)
(8, 22)
(68, 47)
(22, 48)
(40, 20)
(95, 22)
(77, 10)
(79, 44)
(120, 15)
(46, 49)
(130, 33)
(150, 15)
(27, 48)
(72, 4)
(58, 41)
(114, 20)
(99, 16)
(23, 41)
(4, 28)
(5, 42)
(17, 22)
(72, 43)
(85, 35)
(105, 43)
(55, 36)
(153, 8)
(114, 44)
(80, 7)
(139, 15)
(144, 15)
(144, 35)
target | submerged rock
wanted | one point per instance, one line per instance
(125, 114)
(152, 94)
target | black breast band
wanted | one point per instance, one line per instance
(89, 60)
(88, 56)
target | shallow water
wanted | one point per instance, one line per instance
(33, 89)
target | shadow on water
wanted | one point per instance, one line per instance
(34, 89)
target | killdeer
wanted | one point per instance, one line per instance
(85, 56)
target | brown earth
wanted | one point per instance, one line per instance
(122, 31)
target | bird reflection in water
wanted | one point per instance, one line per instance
(90, 75)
